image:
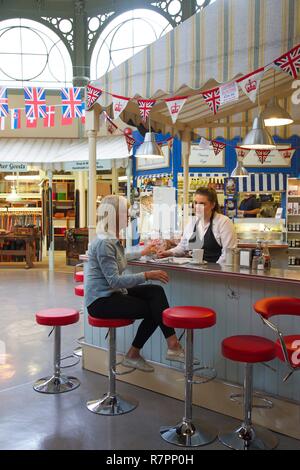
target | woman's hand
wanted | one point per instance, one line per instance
(158, 275)
(163, 253)
(149, 249)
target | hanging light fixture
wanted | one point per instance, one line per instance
(149, 148)
(239, 171)
(13, 196)
(274, 115)
(258, 137)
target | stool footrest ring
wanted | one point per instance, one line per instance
(268, 403)
(204, 379)
(69, 365)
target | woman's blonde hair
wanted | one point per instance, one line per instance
(112, 215)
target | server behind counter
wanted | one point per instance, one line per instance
(250, 206)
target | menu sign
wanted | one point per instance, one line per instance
(205, 157)
(8, 167)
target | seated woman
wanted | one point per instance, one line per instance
(109, 293)
(209, 230)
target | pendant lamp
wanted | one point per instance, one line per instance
(149, 148)
(239, 171)
(258, 137)
(274, 115)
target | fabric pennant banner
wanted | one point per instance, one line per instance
(119, 104)
(92, 94)
(49, 119)
(217, 146)
(2, 123)
(15, 118)
(287, 153)
(130, 142)
(262, 155)
(212, 99)
(145, 107)
(241, 153)
(35, 103)
(110, 125)
(3, 102)
(71, 102)
(250, 83)
(66, 121)
(229, 92)
(31, 122)
(175, 105)
(290, 62)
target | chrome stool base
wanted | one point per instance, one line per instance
(54, 384)
(256, 438)
(112, 405)
(78, 351)
(189, 434)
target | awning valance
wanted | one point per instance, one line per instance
(262, 182)
(57, 153)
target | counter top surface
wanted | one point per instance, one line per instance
(274, 274)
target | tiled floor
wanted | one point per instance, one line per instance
(29, 420)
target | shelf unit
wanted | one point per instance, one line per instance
(293, 218)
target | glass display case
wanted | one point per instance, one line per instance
(270, 230)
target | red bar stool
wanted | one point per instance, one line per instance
(57, 317)
(111, 403)
(250, 350)
(78, 275)
(287, 347)
(187, 433)
(79, 291)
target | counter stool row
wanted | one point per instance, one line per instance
(248, 349)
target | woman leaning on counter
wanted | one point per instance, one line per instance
(209, 230)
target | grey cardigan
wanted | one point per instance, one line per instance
(106, 263)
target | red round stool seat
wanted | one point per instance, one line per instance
(292, 343)
(248, 348)
(79, 276)
(189, 317)
(57, 316)
(109, 322)
(79, 290)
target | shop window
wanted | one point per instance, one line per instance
(32, 54)
(124, 36)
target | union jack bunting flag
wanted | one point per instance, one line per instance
(262, 155)
(217, 146)
(290, 61)
(212, 98)
(3, 102)
(92, 94)
(71, 102)
(35, 103)
(145, 107)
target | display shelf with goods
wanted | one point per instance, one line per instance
(63, 201)
(293, 221)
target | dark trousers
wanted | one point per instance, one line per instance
(146, 301)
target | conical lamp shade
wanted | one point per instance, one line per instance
(239, 171)
(149, 148)
(258, 137)
(274, 115)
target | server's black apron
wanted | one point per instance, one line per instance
(212, 249)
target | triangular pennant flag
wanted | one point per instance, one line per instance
(92, 94)
(49, 119)
(262, 155)
(241, 153)
(217, 146)
(110, 125)
(170, 142)
(212, 99)
(130, 142)
(175, 105)
(119, 104)
(204, 143)
(145, 107)
(250, 83)
(287, 153)
(229, 92)
(290, 62)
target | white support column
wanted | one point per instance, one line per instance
(186, 148)
(114, 177)
(51, 233)
(81, 189)
(92, 125)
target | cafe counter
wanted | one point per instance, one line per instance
(231, 292)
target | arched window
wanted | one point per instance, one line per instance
(32, 54)
(124, 36)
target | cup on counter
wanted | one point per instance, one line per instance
(229, 257)
(198, 255)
